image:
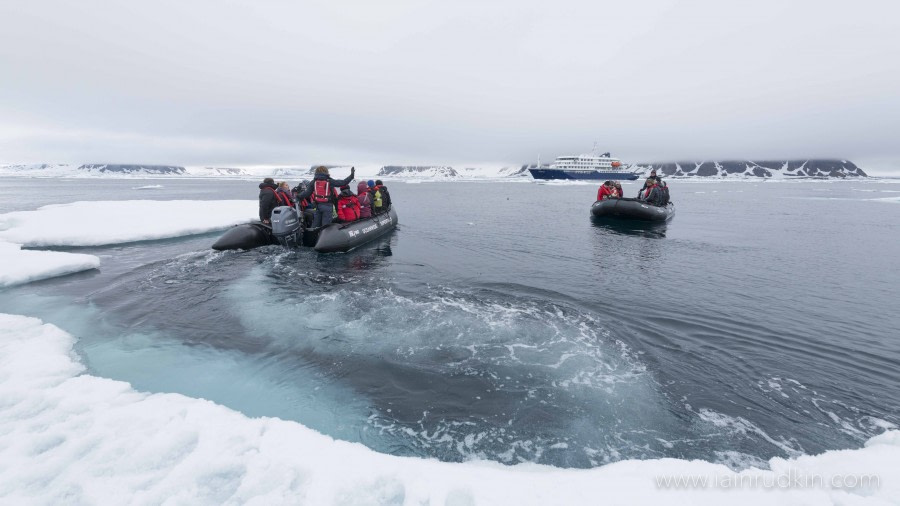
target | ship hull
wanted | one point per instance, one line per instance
(561, 174)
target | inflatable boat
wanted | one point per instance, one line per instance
(632, 209)
(288, 230)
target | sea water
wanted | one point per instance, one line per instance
(499, 322)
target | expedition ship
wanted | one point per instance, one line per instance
(584, 167)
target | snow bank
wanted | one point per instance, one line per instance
(101, 223)
(69, 437)
(22, 266)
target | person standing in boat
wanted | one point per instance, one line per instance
(322, 191)
(268, 200)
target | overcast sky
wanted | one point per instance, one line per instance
(453, 82)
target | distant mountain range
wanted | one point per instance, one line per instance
(730, 169)
(438, 172)
(817, 168)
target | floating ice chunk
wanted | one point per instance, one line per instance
(74, 438)
(109, 222)
(23, 266)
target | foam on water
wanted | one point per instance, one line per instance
(463, 375)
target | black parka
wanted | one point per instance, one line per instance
(267, 200)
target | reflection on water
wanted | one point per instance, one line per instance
(631, 227)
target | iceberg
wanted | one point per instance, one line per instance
(19, 266)
(67, 436)
(112, 222)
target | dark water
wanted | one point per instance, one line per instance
(499, 322)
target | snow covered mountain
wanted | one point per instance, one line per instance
(143, 170)
(818, 168)
(418, 171)
(732, 169)
(91, 170)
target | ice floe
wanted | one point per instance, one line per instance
(69, 437)
(23, 266)
(112, 222)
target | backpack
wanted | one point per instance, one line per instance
(376, 199)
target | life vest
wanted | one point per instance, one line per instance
(322, 191)
(283, 198)
(280, 198)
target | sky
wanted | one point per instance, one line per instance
(463, 83)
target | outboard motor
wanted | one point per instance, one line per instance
(286, 226)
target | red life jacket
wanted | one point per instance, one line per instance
(283, 197)
(280, 198)
(322, 191)
(647, 193)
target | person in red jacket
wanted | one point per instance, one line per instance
(606, 191)
(347, 205)
(364, 199)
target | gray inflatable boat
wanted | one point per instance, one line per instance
(287, 229)
(632, 209)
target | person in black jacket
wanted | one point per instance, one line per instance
(322, 189)
(385, 195)
(652, 176)
(267, 199)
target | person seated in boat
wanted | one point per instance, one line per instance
(620, 193)
(377, 197)
(268, 200)
(307, 206)
(652, 194)
(323, 193)
(283, 192)
(364, 199)
(386, 195)
(606, 190)
(295, 194)
(347, 205)
(382, 203)
(644, 188)
(663, 191)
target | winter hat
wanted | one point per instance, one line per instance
(370, 183)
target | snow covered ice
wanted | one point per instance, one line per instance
(23, 266)
(80, 439)
(113, 222)
(102, 223)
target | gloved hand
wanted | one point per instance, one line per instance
(353, 172)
